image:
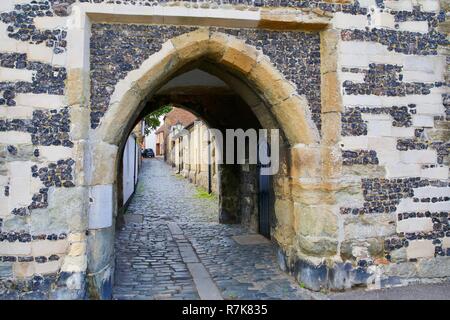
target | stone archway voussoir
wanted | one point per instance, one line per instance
(157, 67)
(192, 45)
(240, 56)
(270, 82)
(292, 115)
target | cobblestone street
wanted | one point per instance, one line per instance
(172, 247)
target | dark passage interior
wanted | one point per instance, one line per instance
(245, 196)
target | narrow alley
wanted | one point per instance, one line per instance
(171, 246)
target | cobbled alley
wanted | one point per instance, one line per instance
(171, 246)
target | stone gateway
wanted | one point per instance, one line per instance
(357, 88)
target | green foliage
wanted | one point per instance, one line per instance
(203, 194)
(152, 119)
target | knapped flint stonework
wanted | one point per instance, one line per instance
(118, 49)
(354, 125)
(396, 149)
(47, 127)
(383, 195)
(386, 80)
(47, 79)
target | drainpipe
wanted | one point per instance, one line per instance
(209, 163)
(134, 164)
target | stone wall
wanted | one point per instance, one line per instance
(189, 156)
(369, 205)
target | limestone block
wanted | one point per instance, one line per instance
(47, 267)
(408, 205)
(7, 5)
(50, 22)
(76, 237)
(348, 21)
(446, 243)
(46, 101)
(331, 128)
(354, 142)
(14, 248)
(24, 269)
(16, 112)
(102, 170)
(77, 87)
(217, 45)
(402, 170)
(20, 187)
(376, 117)
(414, 26)
(305, 161)
(350, 76)
(67, 210)
(192, 45)
(284, 230)
(317, 246)
(420, 76)
(383, 20)
(420, 249)
(82, 162)
(47, 247)
(294, 117)
(403, 269)
(404, 5)
(40, 53)
(353, 61)
(425, 64)
(435, 173)
(329, 41)
(4, 206)
(101, 206)
(331, 93)
(55, 153)
(438, 267)
(429, 109)
(316, 221)
(367, 3)
(264, 116)
(15, 137)
(402, 132)
(74, 264)
(380, 128)
(429, 5)
(12, 223)
(431, 191)
(415, 225)
(79, 125)
(240, 56)
(423, 121)
(262, 74)
(13, 75)
(77, 249)
(418, 156)
(366, 226)
(398, 255)
(331, 161)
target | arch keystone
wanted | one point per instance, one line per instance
(192, 45)
(217, 45)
